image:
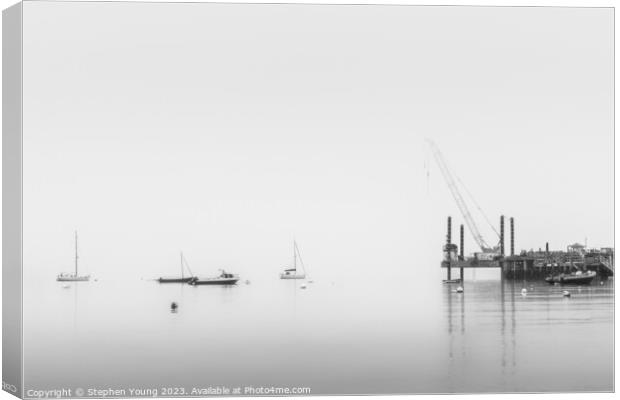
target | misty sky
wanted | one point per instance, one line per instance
(227, 130)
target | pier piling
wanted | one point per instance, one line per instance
(512, 236)
(462, 250)
(448, 245)
(501, 235)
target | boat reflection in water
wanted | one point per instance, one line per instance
(495, 323)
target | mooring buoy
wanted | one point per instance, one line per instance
(460, 289)
(566, 293)
(174, 305)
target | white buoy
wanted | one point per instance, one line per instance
(523, 291)
(303, 286)
(566, 293)
(459, 289)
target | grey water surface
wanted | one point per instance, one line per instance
(337, 336)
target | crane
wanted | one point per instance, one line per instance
(460, 202)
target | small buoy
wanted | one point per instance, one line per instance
(96, 279)
(602, 283)
(566, 293)
(66, 286)
(303, 286)
(174, 305)
(524, 291)
(247, 281)
(459, 289)
(310, 281)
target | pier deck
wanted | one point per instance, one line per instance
(524, 267)
(527, 264)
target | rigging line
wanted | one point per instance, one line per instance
(186, 264)
(300, 259)
(476, 204)
(427, 172)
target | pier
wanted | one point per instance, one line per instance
(527, 264)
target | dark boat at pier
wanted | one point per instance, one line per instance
(572, 279)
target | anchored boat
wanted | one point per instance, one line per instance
(292, 273)
(182, 278)
(73, 277)
(579, 278)
(224, 278)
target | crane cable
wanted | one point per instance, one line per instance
(477, 205)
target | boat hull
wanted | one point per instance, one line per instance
(73, 278)
(292, 276)
(214, 281)
(175, 280)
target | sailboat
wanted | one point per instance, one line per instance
(182, 278)
(73, 277)
(292, 273)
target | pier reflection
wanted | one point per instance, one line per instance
(507, 332)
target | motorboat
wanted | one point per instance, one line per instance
(224, 278)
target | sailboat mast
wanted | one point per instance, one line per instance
(295, 255)
(182, 276)
(76, 255)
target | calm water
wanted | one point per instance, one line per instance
(338, 336)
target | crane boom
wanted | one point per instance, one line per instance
(460, 202)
